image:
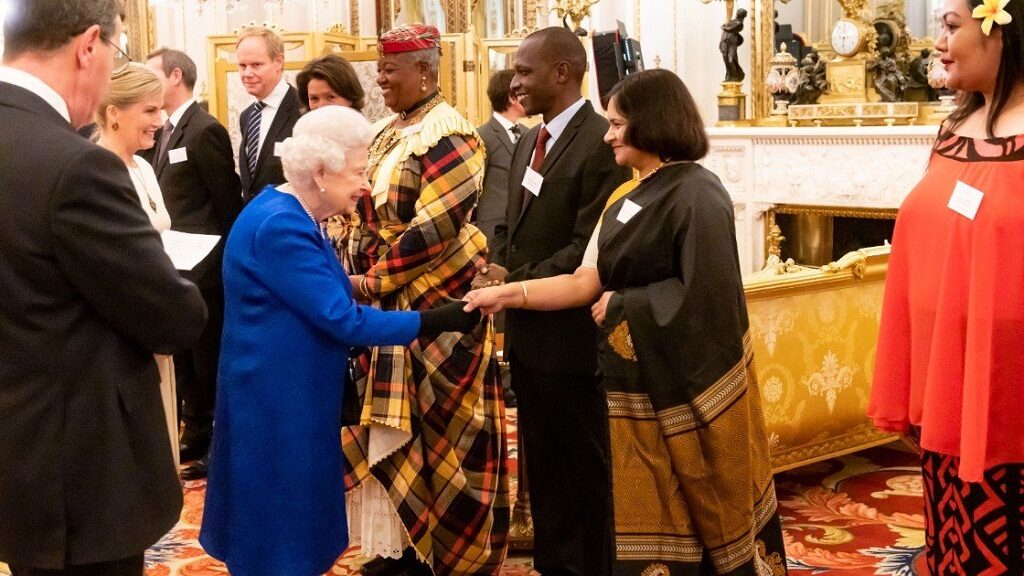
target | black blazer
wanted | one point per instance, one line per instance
(548, 235)
(490, 209)
(202, 194)
(86, 472)
(268, 165)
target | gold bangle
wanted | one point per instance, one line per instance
(526, 293)
(362, 288)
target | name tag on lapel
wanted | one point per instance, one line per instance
(965, 200)
(177, 155)
(629, 209)
(277, 149)
(533, 181)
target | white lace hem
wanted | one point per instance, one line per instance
(373, 522)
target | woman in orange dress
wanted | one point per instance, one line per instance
(949, 370)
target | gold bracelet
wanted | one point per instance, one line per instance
(526, 293)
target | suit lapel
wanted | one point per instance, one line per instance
(502, 134)
(176, 135)
(288, 105)
(560, 146)
(516, 174)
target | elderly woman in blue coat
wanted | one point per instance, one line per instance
(275, 501)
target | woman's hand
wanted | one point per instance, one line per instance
(356, 279)
(600, 308)
(486, 300)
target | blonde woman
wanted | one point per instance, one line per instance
(126, 121)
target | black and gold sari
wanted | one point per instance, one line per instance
(693, 487)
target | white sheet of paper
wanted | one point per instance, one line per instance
(186, 250)
(533, 181)
(966, 200)
(629, 209)
(177, 155)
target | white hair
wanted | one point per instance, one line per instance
(320, 139)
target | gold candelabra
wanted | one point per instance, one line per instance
(575, 10)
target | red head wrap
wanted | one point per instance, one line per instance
(409, 38)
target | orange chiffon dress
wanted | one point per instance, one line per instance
(950, 356)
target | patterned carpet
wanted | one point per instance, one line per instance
(857, 515)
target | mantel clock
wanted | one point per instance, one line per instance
(852, 41)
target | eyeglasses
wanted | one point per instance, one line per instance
(121, 58)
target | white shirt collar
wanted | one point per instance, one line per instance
(559, 123)
(176, 116)
(36, 86)
(277, 96)
(505, 122)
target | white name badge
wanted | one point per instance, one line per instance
(965, 200)
(277, 149)
(177, 155)
(410, 130)
(533, 181)
(629, 209)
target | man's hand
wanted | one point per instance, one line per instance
(488, 274)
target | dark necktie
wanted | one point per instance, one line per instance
(540, 150)
(252, 135)
(165, 137)
(516, 131)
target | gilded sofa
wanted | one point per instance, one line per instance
(815, 331)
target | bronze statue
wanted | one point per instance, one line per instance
(813, 82)
(732, 38)
(919, 74)
(890, 82)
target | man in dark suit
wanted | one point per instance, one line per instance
(196, 170)
(500, 135)
(87, 477)
(562, 174)
(270, 118)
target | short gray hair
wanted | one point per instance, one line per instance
(429, 56)
(321, 138)
(45, 25)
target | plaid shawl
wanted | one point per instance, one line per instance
(433, 420)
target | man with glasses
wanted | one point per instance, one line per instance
(87, 479)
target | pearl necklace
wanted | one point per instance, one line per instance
(305, 208)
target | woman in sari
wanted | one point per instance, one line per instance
(692, 484)
(427, 472)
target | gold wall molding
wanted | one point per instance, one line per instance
(139, 25)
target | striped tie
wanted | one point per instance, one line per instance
(252, 134)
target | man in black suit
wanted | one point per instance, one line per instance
(270, 118)
(196, 170)
(87, 477)
(500, 135)
(562, 174)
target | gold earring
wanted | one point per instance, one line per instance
(423, 84)
(114, 126)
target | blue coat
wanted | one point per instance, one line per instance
(275, 500)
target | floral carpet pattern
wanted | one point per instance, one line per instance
(860, 514)
(857, 515)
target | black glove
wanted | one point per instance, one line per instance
(448, 318)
